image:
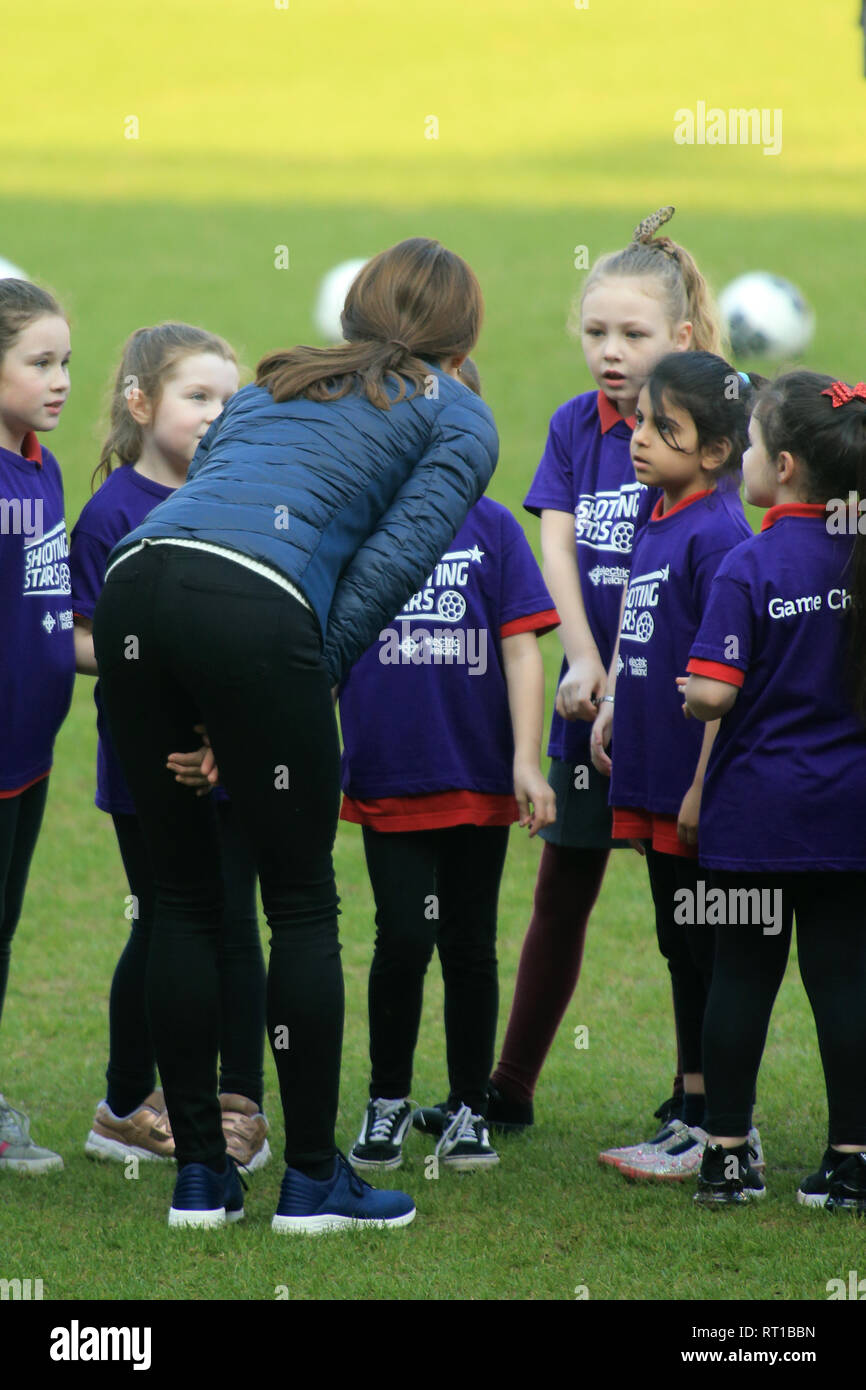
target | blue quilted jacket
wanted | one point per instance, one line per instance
(351, 503)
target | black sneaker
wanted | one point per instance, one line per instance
(507, 1116)
(380, 1143)
(465, 1144)
(727, 1178)
(814, 1190)
(671, 1109)
(848, 1185)
(432, 1119)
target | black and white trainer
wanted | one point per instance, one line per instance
(728, 1178)
(380, 1143)
(815, 1189)
(848, 1185)
(465, 1143)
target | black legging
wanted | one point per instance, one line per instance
(20, 820)
(184, 637)
(435, 887)
(830, 909)
(688, 950)
(131, 1061)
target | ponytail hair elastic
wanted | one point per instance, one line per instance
(841, 393)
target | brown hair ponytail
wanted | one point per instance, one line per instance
(411, 305)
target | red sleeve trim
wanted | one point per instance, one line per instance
(716, 671)
(533, 622)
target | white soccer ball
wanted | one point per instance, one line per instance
(766, 316)
(8, 271)
(331, 298)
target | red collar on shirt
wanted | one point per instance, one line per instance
(31, 449)
(610, 416)
(658, 515)
(775, 514)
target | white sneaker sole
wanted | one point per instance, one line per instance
(467, 1163)
(318, 1225)
(812, 1199)
(373, 1165)
(202, 1220)
(99, 1146)
(54, 1164)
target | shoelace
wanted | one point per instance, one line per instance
(461, 1127)
(356, 1184)
(382, 1127)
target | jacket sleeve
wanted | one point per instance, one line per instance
(425, 515)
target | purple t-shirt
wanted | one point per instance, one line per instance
(425, 709)
(586, 470)
(654, 749)
(786, 784)
(119, 505)
(37, 646)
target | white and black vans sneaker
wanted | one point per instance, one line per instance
(380, 1143)
(465, 1143)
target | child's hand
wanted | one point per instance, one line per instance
(581, 688)
(536, 799)
(687, 820)
(600, 738)
(682, 682)
(196, 769)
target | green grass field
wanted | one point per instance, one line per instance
(303, 126)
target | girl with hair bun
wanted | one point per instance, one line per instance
(637, 304)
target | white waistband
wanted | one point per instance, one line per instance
(245, 560)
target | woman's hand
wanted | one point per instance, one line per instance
(581, 688)
(196, 769)
(536, 799)
(599, 739)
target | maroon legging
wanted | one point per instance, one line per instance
(569, 882)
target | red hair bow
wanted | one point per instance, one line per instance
(841, 393)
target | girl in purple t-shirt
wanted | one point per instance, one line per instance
(637, 304)
(442, 723)
(172, 383)
(692, 418)
(781, 657)
(37, 662)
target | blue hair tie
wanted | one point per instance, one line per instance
(744, 377)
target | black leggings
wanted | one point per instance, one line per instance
(131, 1061)
(183, 637)
(688, 949)
(20, 821)
(435, 888)
(830, 909)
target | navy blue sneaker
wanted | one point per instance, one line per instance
(340, 1201)
(204, 1198)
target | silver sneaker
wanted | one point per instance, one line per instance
(17, 1150)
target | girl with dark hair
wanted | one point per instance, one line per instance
(689, 439)
(315, 505)
(37, 656)
(780, 656)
